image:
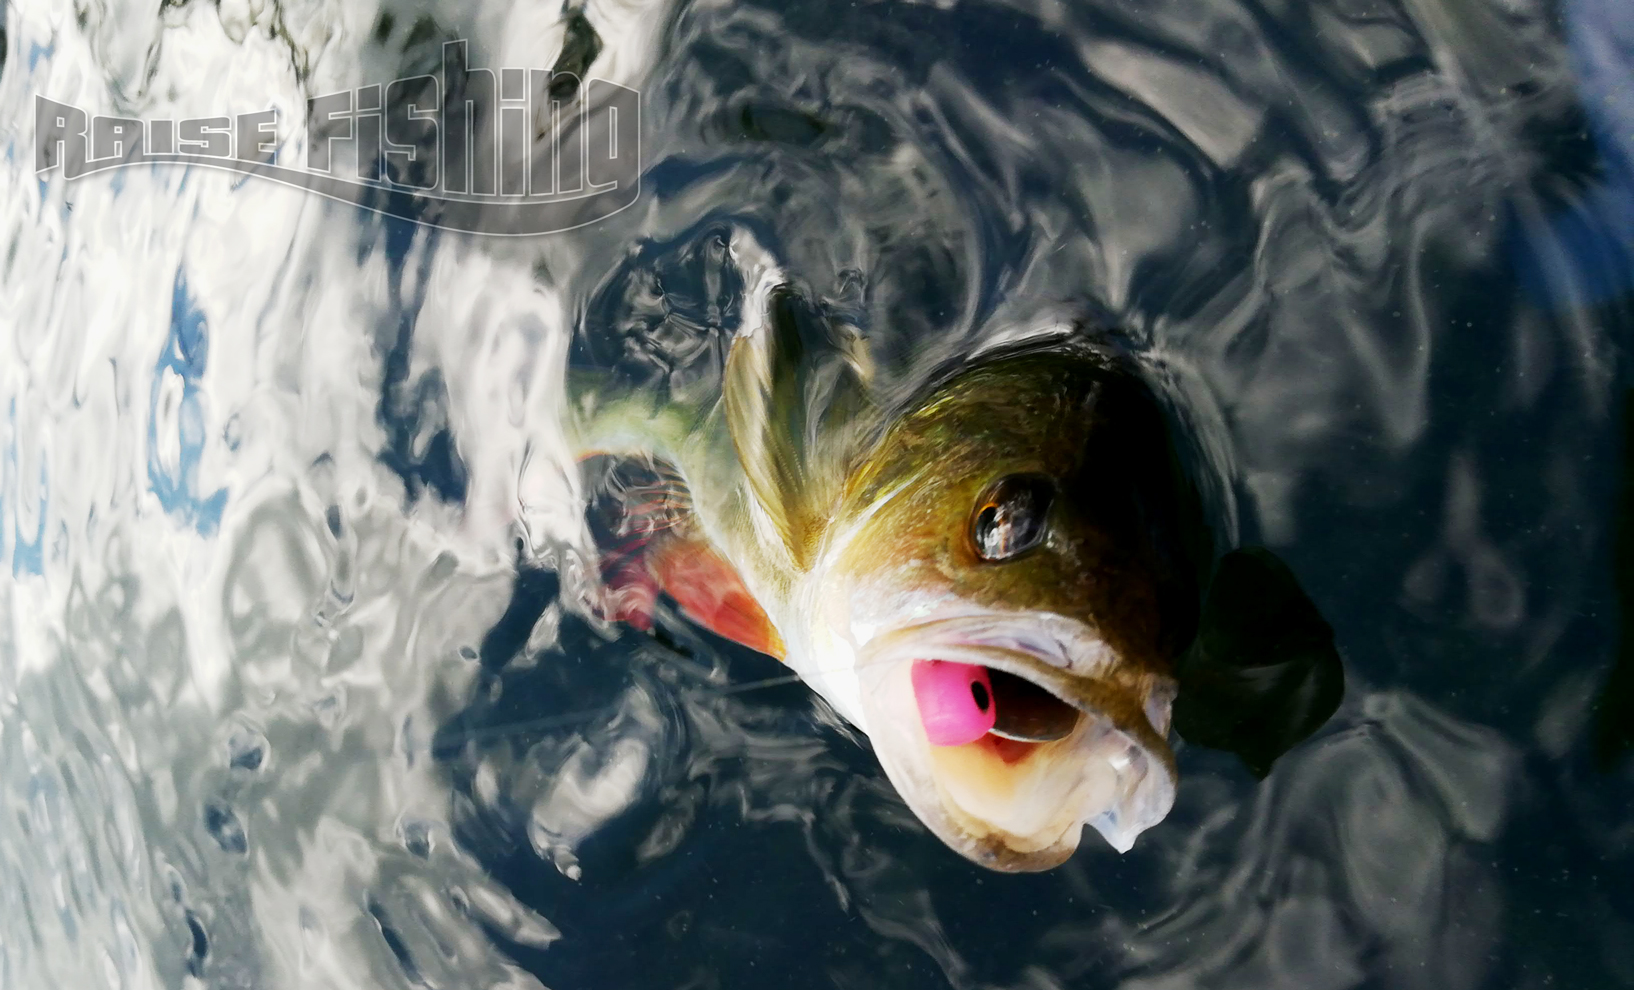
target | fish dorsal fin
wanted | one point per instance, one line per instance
(1263, 673)
(795, 398)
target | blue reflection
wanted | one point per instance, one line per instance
(185, 356)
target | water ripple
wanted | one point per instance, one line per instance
(297, 682)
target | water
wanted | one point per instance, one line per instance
(296, 687)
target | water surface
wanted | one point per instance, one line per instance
(297, 687)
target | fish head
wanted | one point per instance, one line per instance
(1025, 529)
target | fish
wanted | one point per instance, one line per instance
(1006, 578)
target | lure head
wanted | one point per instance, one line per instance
(1014, 568)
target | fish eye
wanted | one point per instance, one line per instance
(1010, 516)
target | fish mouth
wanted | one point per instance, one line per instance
(1078, 738)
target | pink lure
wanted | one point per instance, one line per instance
(955, 701)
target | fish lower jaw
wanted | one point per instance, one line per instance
(993, 845)
(1083, 748)
(1032, 795)
(1001, 851)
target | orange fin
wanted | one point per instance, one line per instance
(640, 517)
(633, 501)
(711, 593)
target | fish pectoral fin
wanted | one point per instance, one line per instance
(632, 502)
(711, 593)
(794, 394)
(640, 516)
(1263, 672)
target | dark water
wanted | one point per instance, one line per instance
(296, 683)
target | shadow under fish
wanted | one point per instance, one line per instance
(1006, 579)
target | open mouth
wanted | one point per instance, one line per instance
(1007, 734)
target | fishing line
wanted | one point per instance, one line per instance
(510, 728)
(569, 718)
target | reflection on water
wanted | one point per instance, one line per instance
(297, 686)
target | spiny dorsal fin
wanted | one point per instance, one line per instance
(795, 401)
